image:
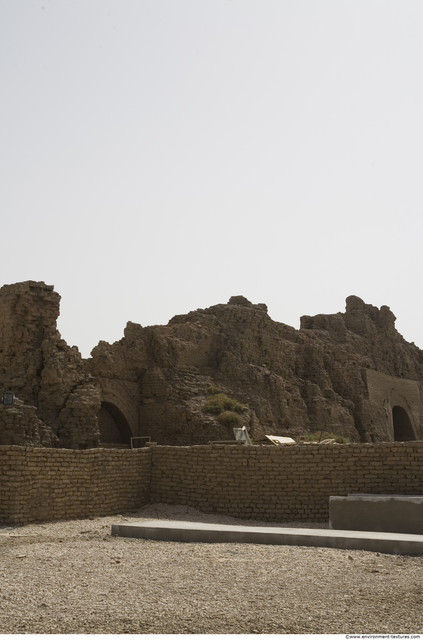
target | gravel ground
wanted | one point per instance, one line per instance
(73, 577)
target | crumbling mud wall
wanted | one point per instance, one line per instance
(349, 373)
(371, 364)
(44, 373)
(294, 382)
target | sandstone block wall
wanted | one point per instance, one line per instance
(54, 484)
(282, 483)
(266, 483)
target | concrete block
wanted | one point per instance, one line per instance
(371, 512)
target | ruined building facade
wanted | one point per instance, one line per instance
(350, 373)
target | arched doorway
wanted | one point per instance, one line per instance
(403, 429)
(113, 426)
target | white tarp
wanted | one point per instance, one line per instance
(280, 440)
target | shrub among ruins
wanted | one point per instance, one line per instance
(229, 419)
(212, 390)
(220, 402)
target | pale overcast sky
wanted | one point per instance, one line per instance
(159, 156)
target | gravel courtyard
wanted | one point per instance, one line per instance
(74, 577)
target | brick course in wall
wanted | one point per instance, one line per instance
(267, 483)
(282, 483)
(54, 484)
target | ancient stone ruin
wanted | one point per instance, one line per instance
(351, 374)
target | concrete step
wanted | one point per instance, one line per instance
(177, 531)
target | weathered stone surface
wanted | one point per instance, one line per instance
(19, 425)
(43, 371)
(350, 373)
(293, 381)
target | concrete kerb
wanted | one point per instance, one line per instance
(175, 531)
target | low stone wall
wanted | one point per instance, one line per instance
(267, 483)
(292, 482)
(54, 484)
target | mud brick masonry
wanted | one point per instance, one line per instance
(53, 484)
(280, 484)
(64, 441)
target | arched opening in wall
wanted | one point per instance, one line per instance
(114, 427)
(403, 429)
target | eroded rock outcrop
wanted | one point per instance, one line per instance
(43, 371)
(294, 382)
(350, 373)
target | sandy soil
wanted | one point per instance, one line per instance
(74, 577)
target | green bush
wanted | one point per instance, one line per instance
(220, 402)
(212, 390)
(229, 419)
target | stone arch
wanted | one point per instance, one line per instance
(385, 393)
(119, 405)
(403, 426)
(114, 427)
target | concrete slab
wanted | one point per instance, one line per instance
(370, 512)
(175, 531)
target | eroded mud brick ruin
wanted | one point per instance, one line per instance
(350, 373)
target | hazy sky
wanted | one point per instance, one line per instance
(159, 156)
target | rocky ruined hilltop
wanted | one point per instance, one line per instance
(350, 373)
(60, 400)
